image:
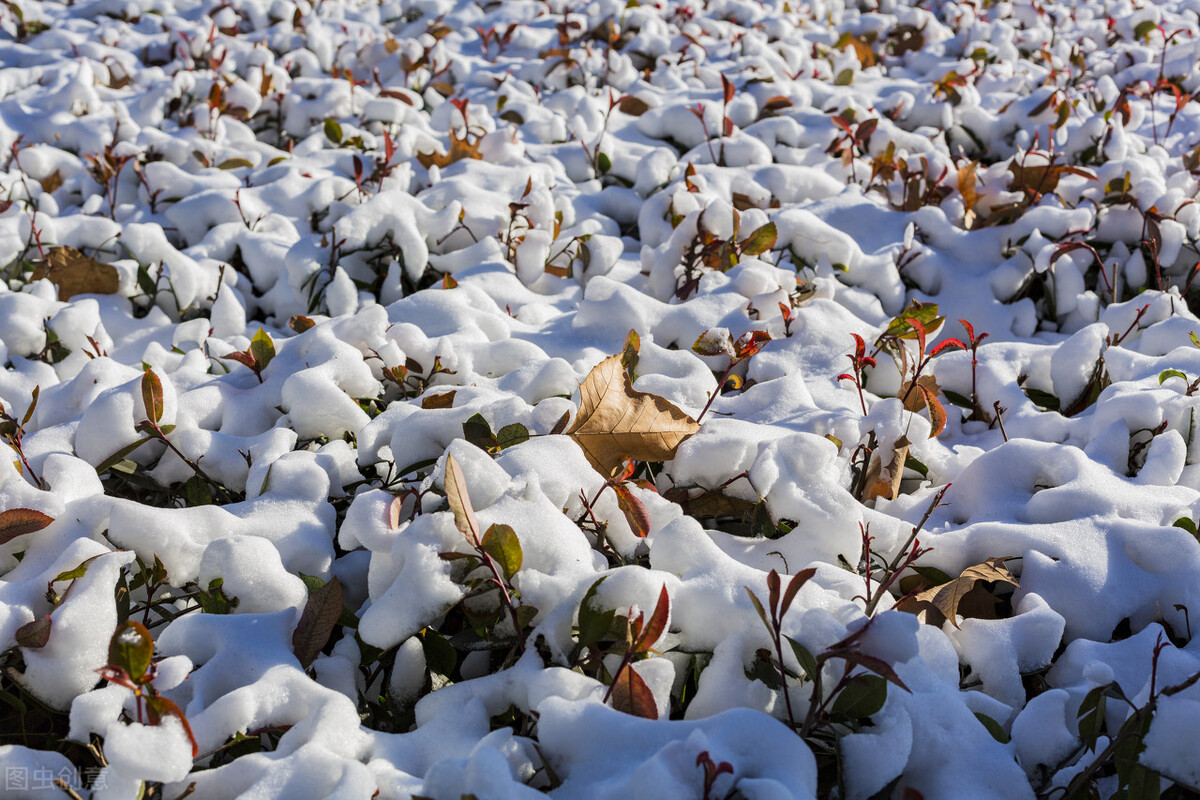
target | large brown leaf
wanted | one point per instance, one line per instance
(963, 596)
(20, 521)
(74, 273)
(615, 422)
(883, 480)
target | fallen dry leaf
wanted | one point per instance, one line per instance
(964, 596)
(459, 149)
(970, 192)
(615, 422)
(924, 396)
(74, 273)
(51, 182)
(884, 481)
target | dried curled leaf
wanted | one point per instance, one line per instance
(459, 149)
(964, 596)
(74, 273)
(615, 422)
(883, 480)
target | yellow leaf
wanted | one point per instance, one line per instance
(964, 596)
(615, 422)
(74, 273)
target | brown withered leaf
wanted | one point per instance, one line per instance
(924, 396)
(459, 149)
(964, 596)
(615, 422)
(884, 480)
(969, 189)
(74, 273)
(439, 400)
(51, 182)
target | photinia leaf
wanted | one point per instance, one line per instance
(1171, 373)
(634, 510)
(937, 412)
(631, 695)
(152, 395)
(512, 435)
(714, 342)
(262, 348)
(760, 241)
(993, 728)
(34, 634)
(159, 707)
(862, 696)
(656, 625)
(594, 623)
(317, 622)
(758, 606)
(807, 662)
(132, 649)
(794, 585)
(501, 543)
(460, 501)
(120, 455)
(333, 131)
(20, 521)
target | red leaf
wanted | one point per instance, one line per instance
(798, 580)
(657, 624)
(727, 86)
(634, 510)
(20, 521)
(152, 396)
(631, 695)
(947, 343)
(245, 359)
(159, 707)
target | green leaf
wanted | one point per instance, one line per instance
(501, 543)
(1143, 29)
(844, 78)
(603, 163)
(262, 348)
(152, 395)
(1171, 373)
(120, 455)
(440, 655)
(512, 435)
(478, 432)
(20, 521)
(1091, 716)
(234, 163)
(924, 313)
(957, 399)
(862, 696)
(317, 622)
(132, 649)
(807, 662)
(1195, 339)
(760, 241)
(1043, 400)
(594, 622)
(78, 572)
(333, 131)
(1187, 524)
(993, 728)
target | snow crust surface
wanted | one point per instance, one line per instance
(298, 168)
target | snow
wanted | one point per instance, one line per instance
(294, 168)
